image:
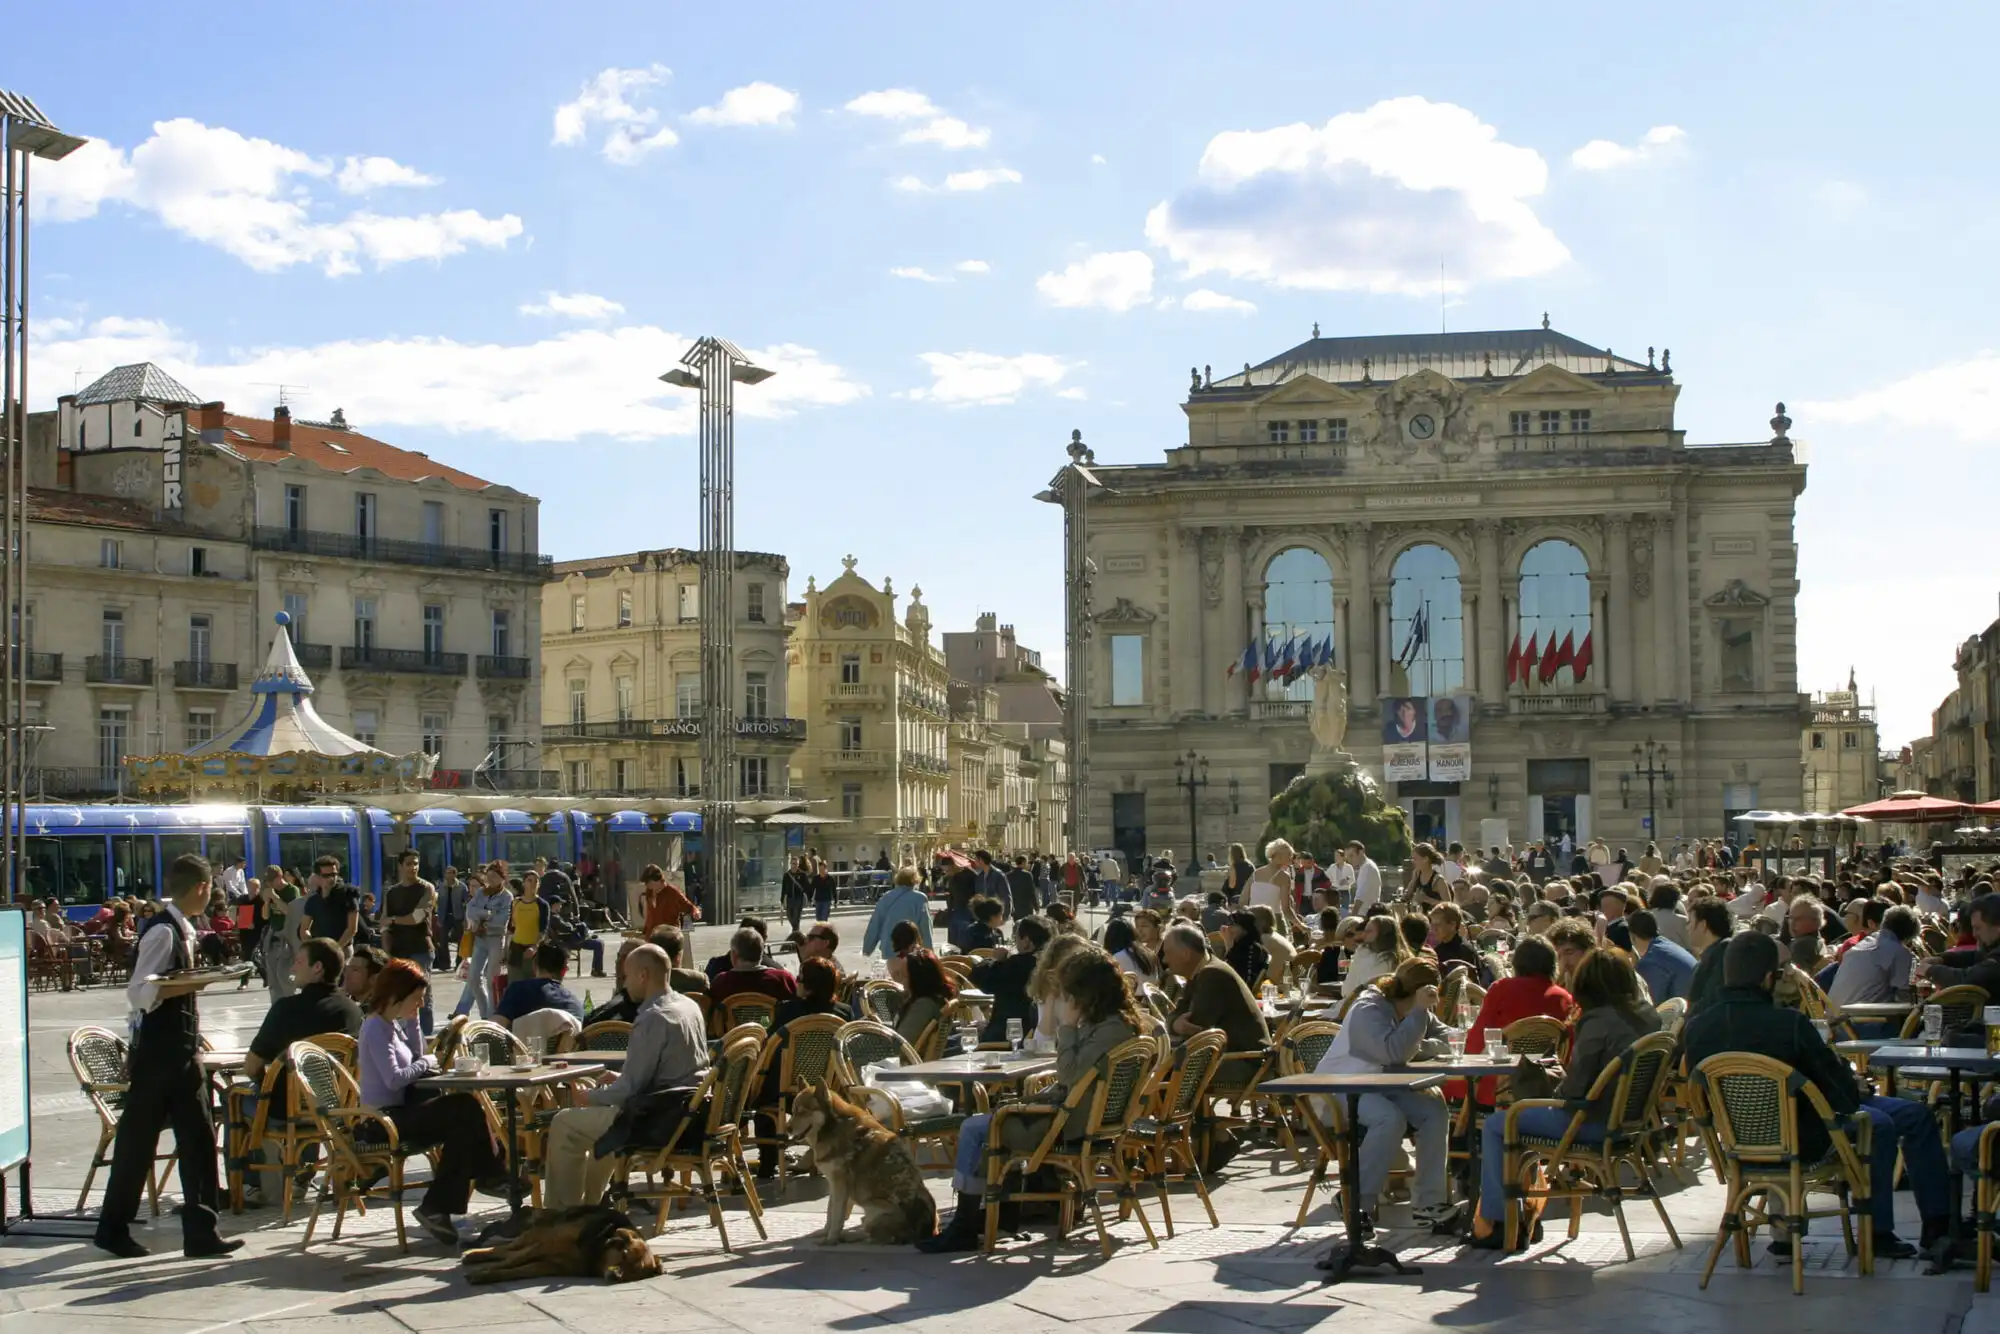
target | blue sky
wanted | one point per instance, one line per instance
(388, 205)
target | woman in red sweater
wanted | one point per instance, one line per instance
(1530, 991)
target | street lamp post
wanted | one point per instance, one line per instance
(25, 134)
(1191, 774)
(1071, 489)
(715, 366)
(1650, 763)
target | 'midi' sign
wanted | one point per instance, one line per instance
(170, 461)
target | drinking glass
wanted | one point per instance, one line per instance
(1933, 1025)
(1457, 1043)
(537, 1048)
(1014, 1032)
(1496, 1041)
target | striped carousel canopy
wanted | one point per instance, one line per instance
(281, 720)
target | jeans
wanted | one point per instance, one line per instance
(1965, 1151)
(1538, 1121)
(822, 907)
(479, 978)
(592, 946)
(424, 1017)
(1385, 1117)
(969, 1172)
(1910, 1126)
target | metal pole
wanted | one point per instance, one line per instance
(13, 663)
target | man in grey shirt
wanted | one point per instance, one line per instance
(668, 1049)
(1878, 968)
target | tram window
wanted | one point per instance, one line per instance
(430, 856)
(223, 847)
(132, 858)
(179, 845)
(297, 852)
(522, 849)
(86, 879)
(44, 870)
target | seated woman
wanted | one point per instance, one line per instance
(985, 932)
(1243, 948)
(392, 1059)
(1392, 1024)
(1045, 986)
(1337, 938)
(1613, 1017)
(903, 938)
(1531, 991)
(1381, 952)
(1006, 980)
(1447, 939)
(929, 988)
(1121, 942)
(819, 980)
(1275, 943)
(1095, 1013)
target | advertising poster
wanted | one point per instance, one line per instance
(1449, 738)
(1404, 729)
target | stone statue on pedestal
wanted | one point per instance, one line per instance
(1328, 720)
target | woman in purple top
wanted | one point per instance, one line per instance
(392, 1059)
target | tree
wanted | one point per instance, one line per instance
(1319, 814)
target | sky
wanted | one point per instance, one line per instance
(957, 234)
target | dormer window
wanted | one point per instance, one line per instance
(1278, 433)
(1309, 432)
(1579, 421)
(1551, 420)
(1336, 430)
(1519, 422)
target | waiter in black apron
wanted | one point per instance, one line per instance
(165, 1086)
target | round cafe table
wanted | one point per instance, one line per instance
(511, 1080)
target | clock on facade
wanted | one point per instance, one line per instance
(1423, 426)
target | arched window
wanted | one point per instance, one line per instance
(1426, 625)
(1554, 646)
(1298, 605)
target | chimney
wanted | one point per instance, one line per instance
(208, 422)
(281, 427)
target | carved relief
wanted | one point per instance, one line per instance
(1211, 569)
(1642, 557)
(1736, 593)
(1124, 609)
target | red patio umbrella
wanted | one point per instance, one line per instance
(1911, 808)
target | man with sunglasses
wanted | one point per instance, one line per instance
(332, 907)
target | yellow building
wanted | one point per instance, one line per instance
(872, 691)
(1843, 762)
(621, 674)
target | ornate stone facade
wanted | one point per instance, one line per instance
(1676, 564)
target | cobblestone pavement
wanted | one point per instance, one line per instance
(1252, 1273)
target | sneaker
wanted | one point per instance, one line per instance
(438, 1225)
(1435, 1216)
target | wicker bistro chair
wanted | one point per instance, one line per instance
(788, 1065)
(1986, 1202)
(1298, 1052)
(325, 1092)
(1167, 1134)
(880, 1000)
(605, 1035)
(293, 1139)
(958, 965)
(745, 1007)
(1634, 1083)
(1110, 1095)
(1963, 1007)
(1750, 1105)
(716, 1148)
(860, 1043)
(99, 1059)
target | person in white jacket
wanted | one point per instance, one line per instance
(1392, 1026)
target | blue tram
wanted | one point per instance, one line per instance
(81, 855)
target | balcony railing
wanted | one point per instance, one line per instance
(1280, 710)
(62, 781)
(673, 729)
(37, 666)
(307, 542)
(205, 675)
(499, 780)
(314, 657)
(925, 764)
(1573, 703)
(420, 661)
(505, 669)
(928, 700)
(858, 693)
(118, 671)
(857, 759)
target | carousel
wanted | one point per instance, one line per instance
(281, 750)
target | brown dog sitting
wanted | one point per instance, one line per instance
(588, 1241)
(866, 1165)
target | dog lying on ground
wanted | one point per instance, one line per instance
(588, 1241)
(865, 1164)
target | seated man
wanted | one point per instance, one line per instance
(747, 972)
(1877, 969)
(722, 963)
(1666, 968)
(364, 964)
(669, 1049)
(985, 932)
(314, 1010)
(1213, 996)
(623, 1007)
(543, 991)
(1006, 980)
(570, 933)
(1744, 1018)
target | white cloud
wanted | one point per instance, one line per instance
(959, 182)
(973, 266)
(948, 132)
(1603, 154)
(575, 306)
(607, 99)
(253, 199)
(1075, 391)
(920, 275)
(1115, 280)
(576, 384)
(359, 175)
(1960, 399)
(1203, 299)
(1097, 159)
(1366, 202)
(983, 379)
(893, 104)
(752, 104)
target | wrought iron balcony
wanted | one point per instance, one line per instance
(118, 671)
(205, 675)
(857, 759)
(673, 729)
(314, 657)
(505, 669)
(771, 729)
(37, 666)
(347, 546)
(1571, 702)
(420, 661)
(925, 764)
(1280, 710)
(499, 780)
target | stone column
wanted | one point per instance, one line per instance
(1492, 615)
(1608, 656)
(1184, 624)
(1666, 644)
(1360, 663)
(1385, 639)
(1232, 631)
(1617, 628)
(1254, 603)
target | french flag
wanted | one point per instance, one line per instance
(1247, 664)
